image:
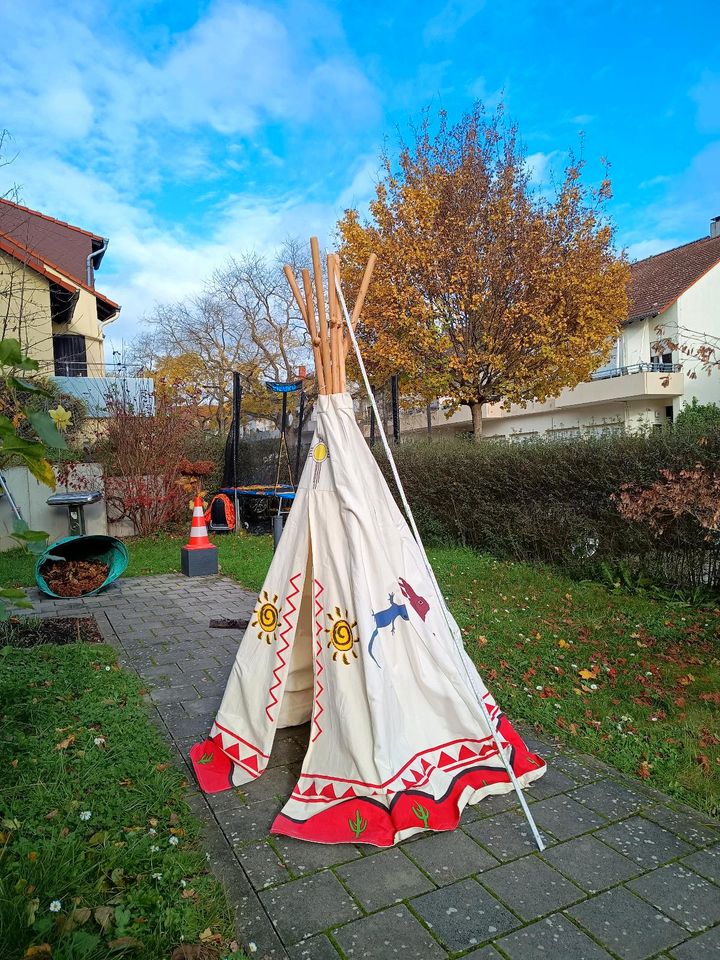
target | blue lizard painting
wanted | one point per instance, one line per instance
(388, 616)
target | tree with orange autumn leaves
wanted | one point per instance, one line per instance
(485, 289)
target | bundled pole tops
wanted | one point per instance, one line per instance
(330, 341)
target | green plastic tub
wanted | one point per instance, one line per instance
(108, 550)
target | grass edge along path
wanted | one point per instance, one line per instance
(632, 679)
(99, 853)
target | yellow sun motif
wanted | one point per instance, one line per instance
(266, 617)
(342, 635)
(320, 452)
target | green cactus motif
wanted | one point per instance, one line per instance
(358, 825)
(206, 757)
(422, 814)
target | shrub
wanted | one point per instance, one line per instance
(553, 500)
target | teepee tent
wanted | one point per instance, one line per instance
(351, 633)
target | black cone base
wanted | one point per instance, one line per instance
(201, 562)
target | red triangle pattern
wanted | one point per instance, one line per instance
(445, 760)
(233, 751)
(329, 792)
(250, 762)
(466, 753)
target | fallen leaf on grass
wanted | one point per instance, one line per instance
(64, 744)
(709, 697)
(195, 951)
(41, 951)
(590, 674)
(104, 917)
(124, 943)
(188, 893)
(207, 936)
(704, 762)
(643, 771)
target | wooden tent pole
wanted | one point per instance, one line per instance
(334, 324)
(320, 296)
(307, 310)
(296, 292)
(312, 327)
(367, 276)
(340, 330)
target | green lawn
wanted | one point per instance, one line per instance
(633, 679)
(99, 854)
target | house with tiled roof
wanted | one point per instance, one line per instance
(48, 297)
(653, 370)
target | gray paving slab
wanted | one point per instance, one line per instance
(552, 782)
(391, 933)
(304, 858)
(531, 888)
(262, 865)
(451, 856)
(703, 947)
(705, 862)
(290, 898)
(383, 879)
(688, 826)
(682, 894)
(611, 799)
(644, 842)
(564, 817)
(316, 948)
(483, 953)
(307, 906)
(627, 925)
(591, 864)
(555, 937)
(507, 835)
(464, 915)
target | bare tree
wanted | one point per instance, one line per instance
(245, 320)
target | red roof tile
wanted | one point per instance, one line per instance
(657, 282)
(40, 264)
(60, 242)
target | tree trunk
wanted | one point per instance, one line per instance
(476, 411)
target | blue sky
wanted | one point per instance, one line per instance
(190, 131)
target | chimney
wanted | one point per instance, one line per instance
(715, 227)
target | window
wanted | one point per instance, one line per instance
(70, 355)
(62, 303)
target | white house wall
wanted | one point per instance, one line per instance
(698, 310)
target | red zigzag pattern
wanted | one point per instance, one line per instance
(281, 650)
(319, 667)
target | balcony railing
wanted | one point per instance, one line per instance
(650, 367)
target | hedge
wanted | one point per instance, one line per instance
(551, 500)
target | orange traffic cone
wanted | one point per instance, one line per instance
(198, 530)
(199, 558)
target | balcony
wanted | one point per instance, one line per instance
(640, 381)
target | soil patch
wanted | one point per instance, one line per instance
(74, 578)
(30, 632)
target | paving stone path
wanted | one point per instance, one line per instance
(627, 873)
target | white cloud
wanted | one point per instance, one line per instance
(450, 19)
(117, 135)
(706, 95)
(540, 166)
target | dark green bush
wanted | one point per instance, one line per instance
(552, 500)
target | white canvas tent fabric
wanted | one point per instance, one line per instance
(348, 634)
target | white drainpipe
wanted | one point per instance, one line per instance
(89, 261)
